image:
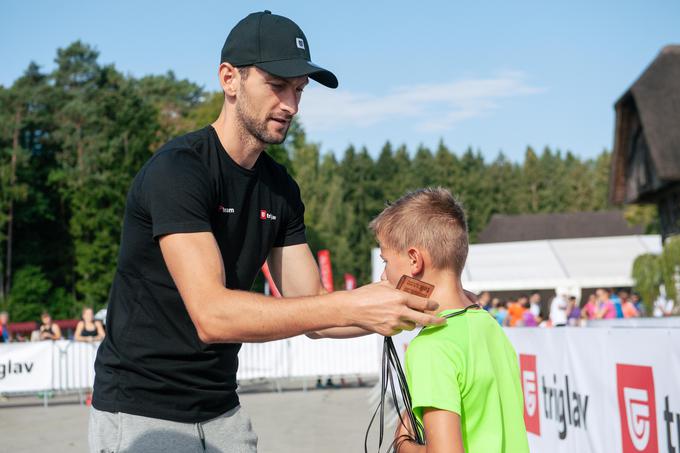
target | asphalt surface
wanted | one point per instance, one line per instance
(319, 420)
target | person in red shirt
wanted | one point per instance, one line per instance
(515, 312)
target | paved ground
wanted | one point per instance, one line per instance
(329, 421)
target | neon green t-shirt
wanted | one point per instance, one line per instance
(469, 367)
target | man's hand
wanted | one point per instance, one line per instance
(380, 308)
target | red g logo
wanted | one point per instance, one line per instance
(527, 369)
(263, 214)
(637, 408)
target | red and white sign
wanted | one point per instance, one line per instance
(529, 377)
(600, 390)
(350, 282)
(637, 408)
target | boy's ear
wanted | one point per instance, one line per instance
(417, 262)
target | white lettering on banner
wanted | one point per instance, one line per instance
(564, 406)
(531, 391)
(637, 415)
(15, 368)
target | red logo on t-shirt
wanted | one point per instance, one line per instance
(637, 408)
(527, 369)
(264, 215)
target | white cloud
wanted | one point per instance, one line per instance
(431, 107)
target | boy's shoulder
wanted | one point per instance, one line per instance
(454, 334)
(460, 334)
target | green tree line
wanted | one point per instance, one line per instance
(71, 141)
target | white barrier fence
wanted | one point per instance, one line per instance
(69, 365)
(586, 390)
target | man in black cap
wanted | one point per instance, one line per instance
(202, 216)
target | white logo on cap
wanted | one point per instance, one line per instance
(300, 43)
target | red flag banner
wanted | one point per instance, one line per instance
(350, 282)
(326, 270)
(268, 276)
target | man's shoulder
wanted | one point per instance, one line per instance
(277, 173)
(195, 141)
(273, 168)
(181, 151)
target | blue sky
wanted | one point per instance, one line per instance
(491, 75)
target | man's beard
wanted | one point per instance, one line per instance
(257, 129)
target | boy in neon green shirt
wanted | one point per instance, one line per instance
(463, 376)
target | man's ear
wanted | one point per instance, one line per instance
(417, 262)
(229, 78)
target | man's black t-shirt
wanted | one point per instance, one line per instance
(152, 362)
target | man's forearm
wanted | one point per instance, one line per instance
(339, 333)
(238, 316)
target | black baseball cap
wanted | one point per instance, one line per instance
(274, 44)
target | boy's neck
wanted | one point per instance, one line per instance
(448, 291)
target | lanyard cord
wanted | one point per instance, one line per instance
(391, 366)
(460, 312)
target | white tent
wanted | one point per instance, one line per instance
(551, 264)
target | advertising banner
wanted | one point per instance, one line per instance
(600, 390)
(26, 367)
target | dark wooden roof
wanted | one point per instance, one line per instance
(652, 102)
(533, 227)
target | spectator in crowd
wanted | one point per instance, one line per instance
(485, 300)
(616, 300)
(501, 313)
(48, 330)
(494, 306)
(535, 300)
(528, 318)
(5, 336)
(573, 311)
(605, 307)
(662, 305)
(558, 311)
(515, 312)
(89, 329)
(627, 306)
(590, 308)
(637, 302)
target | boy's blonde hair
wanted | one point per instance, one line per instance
(431, 219)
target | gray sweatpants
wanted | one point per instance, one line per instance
(118, 432)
